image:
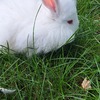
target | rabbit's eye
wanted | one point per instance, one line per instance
(70, 21)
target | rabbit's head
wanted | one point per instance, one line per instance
(63, 12)
(57, 22)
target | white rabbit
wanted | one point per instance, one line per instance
(55, 24)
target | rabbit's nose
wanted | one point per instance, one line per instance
(70, 21)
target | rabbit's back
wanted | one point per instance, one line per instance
(16, 21)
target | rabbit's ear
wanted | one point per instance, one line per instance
(51, 4)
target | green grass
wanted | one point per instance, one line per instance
(58, 75)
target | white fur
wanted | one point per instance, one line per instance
(51, 30)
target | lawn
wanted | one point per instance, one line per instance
(58, 75)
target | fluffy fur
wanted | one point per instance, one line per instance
(51, 30)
